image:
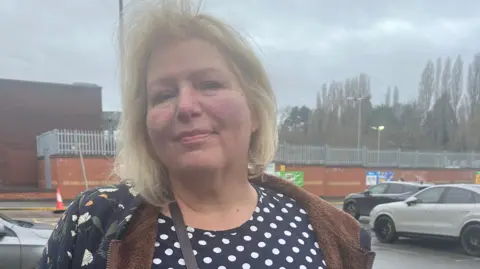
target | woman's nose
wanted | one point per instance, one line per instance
(188, 105)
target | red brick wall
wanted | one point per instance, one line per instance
(67, 174)
(322, 181)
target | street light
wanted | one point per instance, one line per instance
(360, 101)
(379, 130)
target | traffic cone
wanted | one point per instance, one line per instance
(59, 208)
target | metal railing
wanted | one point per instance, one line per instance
(102, 143)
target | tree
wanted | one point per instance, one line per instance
(388, 96)
(438, 74)
(456, 88)
(396, 97)
(426, 87)
(446, 76)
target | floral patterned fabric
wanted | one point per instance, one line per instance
(82, 236)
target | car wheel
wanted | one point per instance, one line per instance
(470, 240)
(385, 230)
(351, 208)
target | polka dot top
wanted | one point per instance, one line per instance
(277, 235)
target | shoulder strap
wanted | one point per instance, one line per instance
(185, 245)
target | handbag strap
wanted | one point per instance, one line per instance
(183, 240)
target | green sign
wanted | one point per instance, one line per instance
(295, 177)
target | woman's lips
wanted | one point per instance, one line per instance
(194, 139)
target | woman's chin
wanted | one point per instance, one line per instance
(199, 162)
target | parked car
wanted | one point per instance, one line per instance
(360, 204)
(450, 212)
(21, 243)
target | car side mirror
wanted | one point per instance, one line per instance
(411, 200)
(367, 192)
(3, 232)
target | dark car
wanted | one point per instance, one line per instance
(360, 204)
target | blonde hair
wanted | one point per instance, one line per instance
(144, 22)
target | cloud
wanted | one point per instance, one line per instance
(302, 43)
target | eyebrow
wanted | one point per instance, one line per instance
(168, 80)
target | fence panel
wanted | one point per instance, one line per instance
(104, 143)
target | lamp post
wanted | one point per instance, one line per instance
(359, 125)
(379, 130)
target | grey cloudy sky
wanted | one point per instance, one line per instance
(303, 42)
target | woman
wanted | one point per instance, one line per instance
(198, 129)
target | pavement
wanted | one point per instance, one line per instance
(405, 253)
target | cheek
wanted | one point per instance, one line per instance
(158, 120)
(232, 113)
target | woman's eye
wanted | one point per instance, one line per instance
(163, 97)
(210, 85)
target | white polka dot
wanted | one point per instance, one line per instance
(279, 218)
(168, 251)
(271, 205)
(209, 234)
(240, 248)
(313, 252)
(207, 260)
(253, 228)
(160, 220)
(257, 209)
(225, 241)
(268, 262)
(268, 235)
(157, 244)
(202, 242)
(289, 205)
(245, 266)
(190, 229)
(172, 228)
(289, 259)
(275, 251)
(176, 244)
(222, 267)
(247, 238)
(275, 198)
(316, 245)
(163, 236)
(297, 218)
(323, 261)
(308, 259)
(295, 249)
(293, 225)
(217, 250)
(181, 261)
(287, 233)
(305, 235)
(273, 225)
(157, 261)
(232, 258)
(281, 241)
(303, 267)
(301, 241)
(310, 227)
(190, 235)
(260, 218)
(254, 255)
(303, 211)
(266, 210)
(284, 210)
(233, 233)
(279, 194)
(195, 252)
(261, 244)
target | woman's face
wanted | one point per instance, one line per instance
(198, 117)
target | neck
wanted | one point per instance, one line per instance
(213, 193)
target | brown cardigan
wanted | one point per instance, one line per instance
(337, 232)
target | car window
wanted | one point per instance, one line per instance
(430, 195)
(477, 198)
(457, 196)
(412, 188)
(378, 189)
(395, 188)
